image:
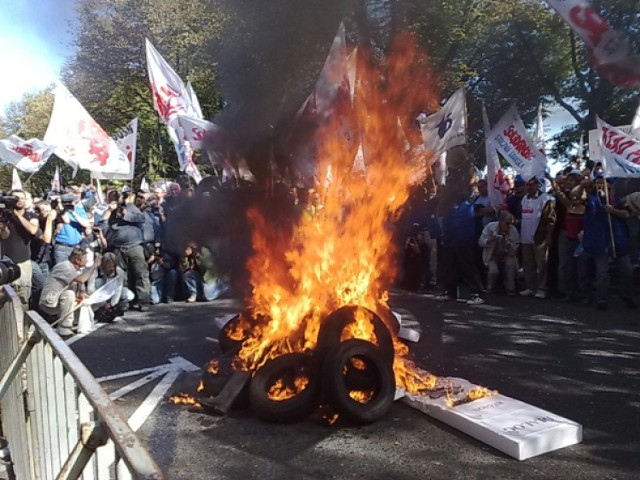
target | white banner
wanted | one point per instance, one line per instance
(56, 186)
(195, 103)
(635, 124)
(510, 138)
(611, 52)
(25, 155)
(620, 151)
(447, 128)
(195, 129)
(496, 181)
(103, 294)
(79, 140)
(126, 140)
(16, 183)
(595, 152)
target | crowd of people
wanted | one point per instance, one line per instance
(70, 244)
(557, 236)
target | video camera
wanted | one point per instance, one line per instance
(8, 203)
(9, 271)
(66, 202)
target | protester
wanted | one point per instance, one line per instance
(536, 232)
(72, 222)
(17, 228)
(65, 284)
(116, 306)
(606, 235)
(499, 242)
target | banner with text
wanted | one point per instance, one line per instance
(510, 138)
(620, 151)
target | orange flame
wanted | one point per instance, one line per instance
(281, 391)
(342, 252)
(213, 367)
(361, 396)
(185, 399)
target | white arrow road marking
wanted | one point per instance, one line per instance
(170, 373)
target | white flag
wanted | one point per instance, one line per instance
(447, 128)
(497, 183)
(333, 74)
(56, 186)
(611, 52)
(511, 139)
(103, 294)
(126, 140)
(196, 129)
(170, 96)
(16, 183)
(358, 161)
(144, 185)
(79, 140)
(193, 172)
(25, 155)
(620, 151)
(635, 124)
(195, 103)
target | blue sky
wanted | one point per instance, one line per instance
(34, 42)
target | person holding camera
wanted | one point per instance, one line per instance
(499, 242)
(125, 237)
(66, 283)
(70, 228)
(17, 228)
(42, 248)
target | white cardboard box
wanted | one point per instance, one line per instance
(516, 428)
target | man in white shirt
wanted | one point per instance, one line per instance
(536, 233)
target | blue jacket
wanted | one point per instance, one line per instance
(459, 225)
(597, 236)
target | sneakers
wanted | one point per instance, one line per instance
(527, 293)
(475, 300)
(191, 299)
(540, 294)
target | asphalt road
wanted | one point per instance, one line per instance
(569, 359)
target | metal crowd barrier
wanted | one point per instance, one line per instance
(59, 422)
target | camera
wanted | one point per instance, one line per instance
(65, 201)
(9, 271)
(7, 203)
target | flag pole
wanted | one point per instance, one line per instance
(160, 153)
(613, 240)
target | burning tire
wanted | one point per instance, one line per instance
(226, 343)
(334, 324)
(285, 389)
(358, 381)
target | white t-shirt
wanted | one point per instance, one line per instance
(531, 214)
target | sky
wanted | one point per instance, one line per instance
(34, 42)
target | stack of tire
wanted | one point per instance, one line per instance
(336, 371)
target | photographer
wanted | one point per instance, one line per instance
(70, 228)
(17, 229)
(125, 238)
(42, 248)
(499, 242)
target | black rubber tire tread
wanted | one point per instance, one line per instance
(334, 324)
(335, 387)
(293, 409)
(225, 343)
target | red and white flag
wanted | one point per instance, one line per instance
(446, 128)
(79, 140)
(497, 182)
(126, 139)
(196, 129)
(56, 186)
(611, 53)
(171, 99)
(196, 110)
(16, 183)
(620, 151)
(25, 155)
(510, 138)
